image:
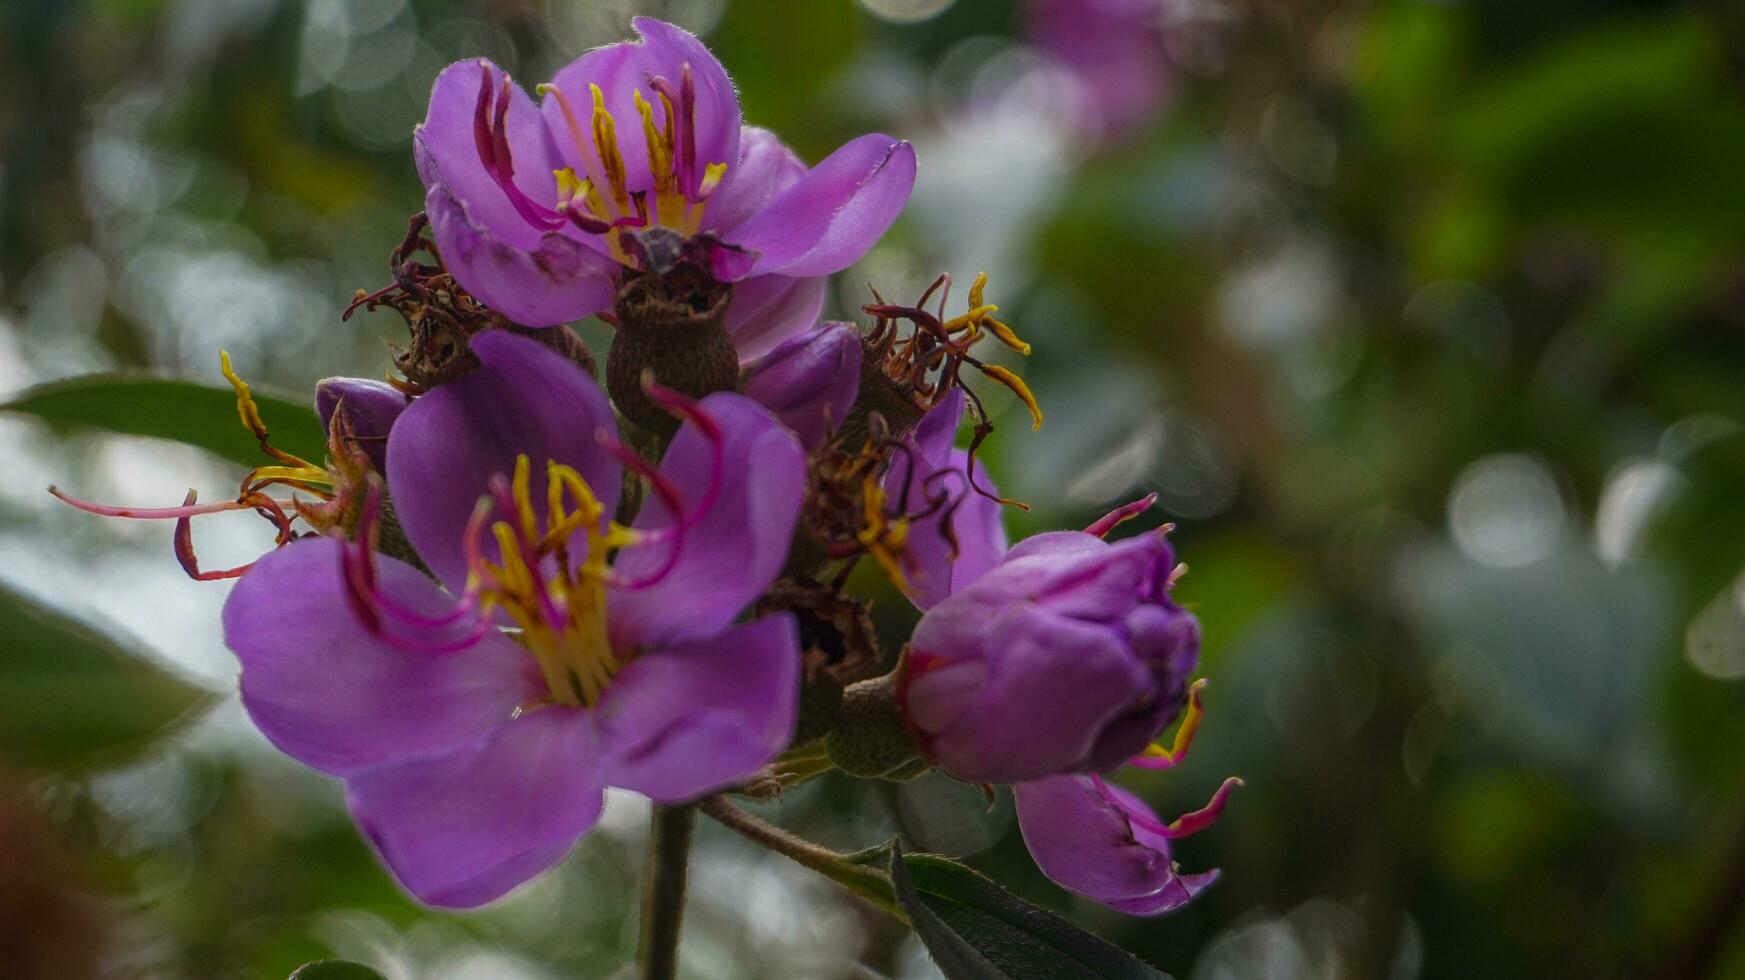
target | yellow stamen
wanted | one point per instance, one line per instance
(296, 470)
(667, 200)
(521, 486)
(559, 605)
(1184, 736)
(883, 540)
(606, 145)
(292, 474)
(246, 409)
(1019, 388)
(712, 175)
(1006, 335)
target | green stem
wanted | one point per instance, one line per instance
(663, 890)
(866, 881)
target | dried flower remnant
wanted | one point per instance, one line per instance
(442, 317)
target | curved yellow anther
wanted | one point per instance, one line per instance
(606, 146)
(246, 409)
(1006, 335)
(1019, 388)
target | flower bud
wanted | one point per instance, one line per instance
(370, 406)
(1069, 656)
(809, 381)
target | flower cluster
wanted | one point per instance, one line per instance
(510, 586)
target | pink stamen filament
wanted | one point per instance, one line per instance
(1120, 515)
(491, 138)
(183, 538)
(1185, 825)
(687, 410)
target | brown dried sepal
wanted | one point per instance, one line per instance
(442, 318)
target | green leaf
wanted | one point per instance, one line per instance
(977, 930)
(72, 698)
(191, 412)
(334, 970)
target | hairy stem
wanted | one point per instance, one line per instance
(663, 890)
(864, 880)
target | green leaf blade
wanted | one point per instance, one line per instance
(72, 698)
(334, 970)
(191, 412)
(977, 930)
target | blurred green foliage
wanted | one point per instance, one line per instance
(1428, 320)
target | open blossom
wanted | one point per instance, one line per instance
(475, 756)
(533, 207)
(1069, 656)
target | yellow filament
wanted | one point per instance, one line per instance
(292, 474)
(297, 471)
(245, 406)
(660, 156)
(1184, 736)
(521, 488)
(573, 651)
(606, 145)
(981, 317)
(884, 540)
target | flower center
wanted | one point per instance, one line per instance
(560, 604)
(601, 201)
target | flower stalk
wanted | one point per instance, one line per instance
(664, 875)
(864, 880)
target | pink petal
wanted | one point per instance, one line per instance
(767, 310)
(555, 280)
(766, 168)
(1085, 844)
(623, 69)
(832, 216)
(686, 720)
(736, 550)
(446, 447)
(330, 694)
(463, 828)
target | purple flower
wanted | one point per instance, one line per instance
(957, 534)
(1069, 656)
(809, 381)
(1104, 843)
(370, 406)
(1114, 50)
(475, 756)
(530, 205)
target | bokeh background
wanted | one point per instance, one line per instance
(1427, 321)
